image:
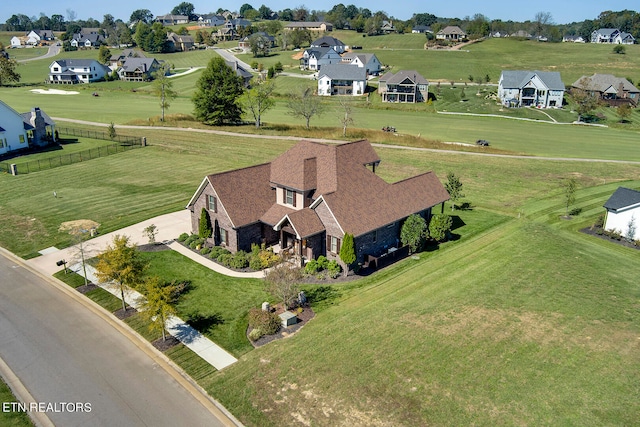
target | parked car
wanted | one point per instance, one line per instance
(482, 142)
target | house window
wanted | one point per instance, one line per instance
(289, 197)
(212, 203)
(56, 69)
(21, 139)
(224, 238)
(334, 244)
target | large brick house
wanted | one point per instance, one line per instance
(306, 199)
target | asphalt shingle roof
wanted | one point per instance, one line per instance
(622, 198)
(519, 78)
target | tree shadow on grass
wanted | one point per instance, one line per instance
(204, 323)
(321, 295)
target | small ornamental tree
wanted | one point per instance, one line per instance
(413, 232)
(569, 193)
(205, 230)
(439, 227)
(150, 233)
(347, 251)
(454, 188)
(282, 283)
(112, 131)
(158, 304)
(121, 263)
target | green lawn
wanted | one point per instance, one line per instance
(9, 418)
(221, 302)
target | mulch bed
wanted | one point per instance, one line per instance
(121, 314)
(153, 247)
(303, 317)
(599, 232)
(86, 288)
(165, 345)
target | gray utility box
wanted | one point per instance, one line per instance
(288, 319)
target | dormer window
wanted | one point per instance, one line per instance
(289, 197)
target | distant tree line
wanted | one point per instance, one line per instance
(342, 17)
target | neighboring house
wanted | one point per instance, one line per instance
(315, 58)
(118, 59)
(72, 71)
(138, 69)
(611, 36)
(573, 39)
(342, 79)
(237, 23)
(540, 89)
(172, 19)
(451, 33)
(87, 41)
(387, 27)
(241, 72)
(179, 43)
(308, 198)
(20, 131)
(17, 41)
(311, 26)
(328, 41)
(35, 37)
(211, 20)
(245, 43)
(368, 61)
(499, 34)
(609, 88)
(225, 34)
(421, 29)
(403, 86)
(623, 212)
(522, 34)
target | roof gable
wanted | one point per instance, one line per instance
(623, 198)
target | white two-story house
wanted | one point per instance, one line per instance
(342, 79)
(540, 89)
(315, 58)
(72, 71)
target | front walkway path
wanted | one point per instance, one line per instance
(198, 343)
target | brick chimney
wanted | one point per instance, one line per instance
(40, 128)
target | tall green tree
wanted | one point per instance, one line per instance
(258, 99)
(454, 188)
(413, 232)
(348, 251)
(143, 15)
(163, 87)
(439, 227)
(157, 305)
(184, 8)
(104, 54)
(122, 264)
(305, 105)
(205, 230)
(569, 193)
(217, 95)
(8, 71)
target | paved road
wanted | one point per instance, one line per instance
(53, 50)
(64, 351)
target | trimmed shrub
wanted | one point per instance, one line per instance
(183, 237)
(333, 269)
(266, 321)
(322, 262)
(311, 267)
(205, 250)
(216, 251)
(224, 258)
(239, 260)
(256, 334)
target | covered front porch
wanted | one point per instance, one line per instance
(301, 236)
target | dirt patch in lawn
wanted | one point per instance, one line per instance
(86, 288)
(123, 314)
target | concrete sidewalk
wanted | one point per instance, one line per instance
(215, 355)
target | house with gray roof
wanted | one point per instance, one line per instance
(612, 90)
(211, 20)
(172, 19)
(315, 58)
(306, 200)
(540, 89)
(74, 71)
(623, 212)
(138, 69)
(406, 86)
(342, 79)
(611, 36)
(451, 33)
(19, 131)
(240, 72)
(87, 41)
(368, 61)
(328, 41)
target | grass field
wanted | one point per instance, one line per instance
(8, 418)
(522, 320)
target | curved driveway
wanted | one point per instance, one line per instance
(53, 50)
